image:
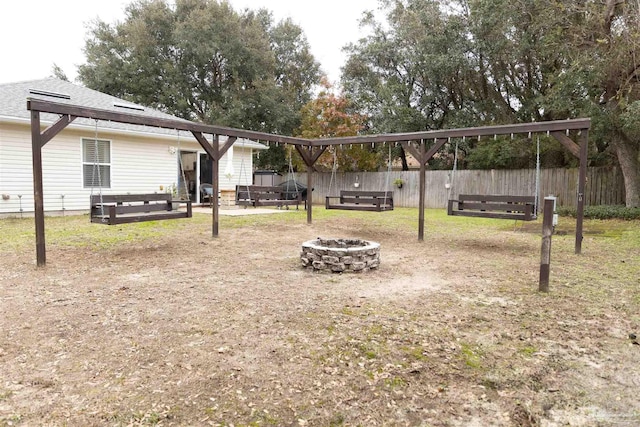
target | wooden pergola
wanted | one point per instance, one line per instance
(415, 143)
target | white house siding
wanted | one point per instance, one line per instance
(242, 168)
(15, 168)
(139, 164)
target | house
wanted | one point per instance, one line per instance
(132, 158)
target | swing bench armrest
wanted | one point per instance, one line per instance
(450, 206)
(174, 204)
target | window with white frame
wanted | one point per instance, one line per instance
(96, 163)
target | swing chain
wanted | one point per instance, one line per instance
(386, 191)
(334, 168)
(453, 171)
(181, 166)
(292, 174)
(96, 170)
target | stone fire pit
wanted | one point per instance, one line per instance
(340, 255)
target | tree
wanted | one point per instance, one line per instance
(331, 116)
(202, 60)
(602, 79)
(441, 64)
(58, 73)
(410, 74)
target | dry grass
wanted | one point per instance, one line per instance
(160, 324)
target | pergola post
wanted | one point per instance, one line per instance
(310, 158)
(38, 197)
(423, 156)
(582, 180)
(423, 189)
(215, 153)
(309, 201)
(215, 189)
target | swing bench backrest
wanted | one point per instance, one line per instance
(494, 206)
(261, 195)
(376, 201)
(114, 209)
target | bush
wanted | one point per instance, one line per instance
(603, 212)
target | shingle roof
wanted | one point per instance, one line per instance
(13, 104)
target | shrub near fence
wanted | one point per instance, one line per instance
(605, 186)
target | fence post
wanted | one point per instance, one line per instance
(545, 252)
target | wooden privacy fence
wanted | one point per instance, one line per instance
(605, 185)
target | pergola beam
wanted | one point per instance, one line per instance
(137, 119)
(310, 150)
(526, 128)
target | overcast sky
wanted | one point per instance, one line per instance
(36, 34)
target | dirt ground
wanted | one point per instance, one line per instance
(184, 329)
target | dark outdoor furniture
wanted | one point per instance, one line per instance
(259, 195)
(494, 206)
(206, 194)
(376, 201)
(126, 208)
(293, 189)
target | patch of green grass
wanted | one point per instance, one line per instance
(395, 382)
(490, 383)
(415, 353)
(337, 420)
(528, 351)
(471, 355)
(369, 353)
(347, 311)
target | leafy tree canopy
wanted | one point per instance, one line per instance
(202, 60)
(330, 116)
(449, 63)
(58, 73)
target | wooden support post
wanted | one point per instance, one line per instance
(38, 197)
(310, 158)
(309, 202)
(545, 252)
(582, 180)
(215, 182)
(423, 187)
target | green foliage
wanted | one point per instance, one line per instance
(630, 119)
(500, 154)
(437, 64)
(330, 115)
(58, 73)
(275, 158)
(202, 60)
(603, 212)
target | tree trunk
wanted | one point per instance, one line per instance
(403, 159)
(628, 158)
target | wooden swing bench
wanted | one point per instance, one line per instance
(261, 195)
(494, 206)
(127, 208)
(374, 201)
